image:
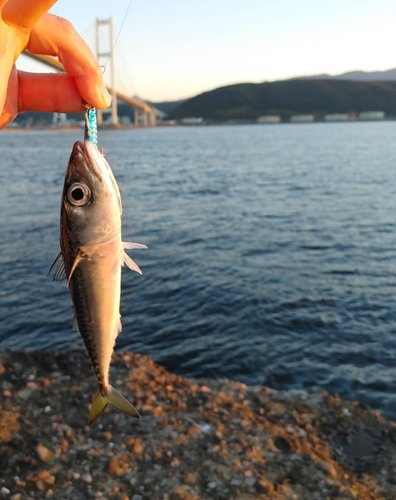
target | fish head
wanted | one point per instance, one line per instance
(91, 202)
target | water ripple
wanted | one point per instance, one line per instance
(272, 251)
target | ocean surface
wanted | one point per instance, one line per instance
(271, 260)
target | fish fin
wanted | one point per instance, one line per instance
(115, 400)
(99, 404)
(130, 263)
(60, 273)
(79, 257)
(75, 324)
(127, 260)
(129, 246)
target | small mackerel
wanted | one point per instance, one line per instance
(91, 257)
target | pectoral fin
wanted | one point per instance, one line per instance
(130, 246)
(114, 399)
(130, 263)
(79, 257)
(127, 260)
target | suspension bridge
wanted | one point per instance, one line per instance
(144, 114)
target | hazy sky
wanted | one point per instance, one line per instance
(178, 48)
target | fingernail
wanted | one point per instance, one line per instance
(105, 95)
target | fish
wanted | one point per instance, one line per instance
(91, 256)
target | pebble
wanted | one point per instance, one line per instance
(46, 382)
(138, 447)
(5, 491)
(329, 468)
(25, 394)
(264, 486)
(43, 453)
(113, 466)
(191, 478)
(44, 475)
(87, 478)
(250, 481)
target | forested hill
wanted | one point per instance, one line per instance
(290, 97)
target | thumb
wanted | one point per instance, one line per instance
(8, 97)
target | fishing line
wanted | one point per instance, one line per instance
(91, 124)
(103, 66)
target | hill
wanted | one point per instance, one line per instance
(167, 106)
(289, 97)
(367, 76)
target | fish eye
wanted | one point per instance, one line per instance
(78, 194)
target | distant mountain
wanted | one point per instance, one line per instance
(364, 76)
(167, 106)
(289, 97)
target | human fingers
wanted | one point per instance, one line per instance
(8, 55)
(48, 92)
(55, 36)
(25, 13)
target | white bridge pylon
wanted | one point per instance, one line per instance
(105, 55)
(144, 114)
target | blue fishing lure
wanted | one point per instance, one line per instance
(91, 126)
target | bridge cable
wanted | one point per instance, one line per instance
(117, 37)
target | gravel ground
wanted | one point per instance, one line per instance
(197, 439)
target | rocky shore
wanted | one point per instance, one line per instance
(197, 439)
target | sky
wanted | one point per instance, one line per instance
(175, 49)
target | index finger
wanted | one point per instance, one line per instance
(25, 13)
(55, 36)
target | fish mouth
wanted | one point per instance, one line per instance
(80, 158)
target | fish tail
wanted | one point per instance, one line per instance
(114, 399)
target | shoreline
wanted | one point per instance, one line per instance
(181, 125)
(197, 439)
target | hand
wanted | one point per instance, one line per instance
(26, 25)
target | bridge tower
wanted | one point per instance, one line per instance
(105, 56)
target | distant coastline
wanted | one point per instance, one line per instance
(204, 123)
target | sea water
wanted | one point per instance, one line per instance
(271, 259)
